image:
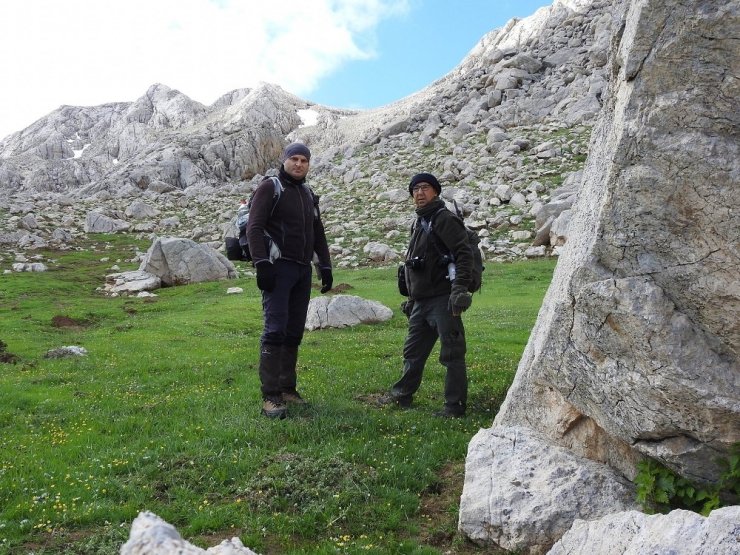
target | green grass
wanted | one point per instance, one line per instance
(163, 415)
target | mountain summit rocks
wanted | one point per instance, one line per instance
(516, 112)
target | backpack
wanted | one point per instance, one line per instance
(237, 248)
(476, 277)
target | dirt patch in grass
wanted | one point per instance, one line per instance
(65, 322)
(340, 288)
(440, 504)
(375, 400)
(5, 356)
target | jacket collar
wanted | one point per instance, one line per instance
(430, 208)
(285, 177)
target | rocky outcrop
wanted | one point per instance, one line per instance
(634, 353)
(161, 139)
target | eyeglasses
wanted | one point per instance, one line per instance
(421, 187)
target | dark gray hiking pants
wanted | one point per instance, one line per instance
(431, 319)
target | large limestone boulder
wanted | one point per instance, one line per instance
(150, 535)
(635, 349)
(178, 261)
(635, 533)
(341, 311)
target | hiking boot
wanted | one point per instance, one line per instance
(447, 412)
(293, 397)
(273, 408)
(390, 399)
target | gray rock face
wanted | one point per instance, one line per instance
(178, 261)
(634, 352)
(635, 533)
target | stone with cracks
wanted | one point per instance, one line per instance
(124, 283)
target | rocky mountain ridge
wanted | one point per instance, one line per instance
(503, 132)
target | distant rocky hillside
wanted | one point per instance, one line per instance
(505, 132)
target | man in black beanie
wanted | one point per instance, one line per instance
(283, 237)
(438, 268)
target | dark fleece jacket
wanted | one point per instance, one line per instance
(431, 280)
(294, 224)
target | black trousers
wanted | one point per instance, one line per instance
(284, 310)
(431, 319)
(285, 307)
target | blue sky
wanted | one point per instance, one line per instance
(343, 53)
(417, 48)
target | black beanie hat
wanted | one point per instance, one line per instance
(293, 149)
(424, 178)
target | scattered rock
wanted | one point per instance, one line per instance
(150, 535)
(69, 351)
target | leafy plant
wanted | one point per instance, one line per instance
(659, 489)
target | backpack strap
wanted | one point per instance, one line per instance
(315, 200)
(276, 194)
(428, 227)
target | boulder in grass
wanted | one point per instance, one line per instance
(341, 311)
(178, 261)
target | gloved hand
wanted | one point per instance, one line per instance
(407, 307)
(460, 301)
(327, 280)
(266, 275)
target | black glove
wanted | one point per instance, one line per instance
(327, 280)
(407, 307)
(266, 275)
(460, 302)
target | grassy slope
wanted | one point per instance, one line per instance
(163, 415)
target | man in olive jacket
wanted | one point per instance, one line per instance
(436, 302)
(293, 226)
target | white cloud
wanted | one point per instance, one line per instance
(87, 52)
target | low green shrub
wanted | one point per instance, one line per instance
(659, 489)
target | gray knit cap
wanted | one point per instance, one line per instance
(294, 149)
